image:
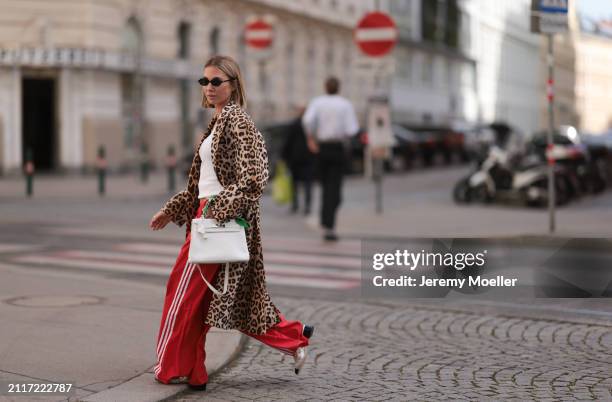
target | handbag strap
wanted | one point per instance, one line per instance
(225, 281)
(208, 202)
(239, 220)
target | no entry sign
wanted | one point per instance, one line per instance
(375, 34)
(259, 34)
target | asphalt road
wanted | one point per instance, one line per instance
(364, 348)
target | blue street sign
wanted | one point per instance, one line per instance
(553, 6)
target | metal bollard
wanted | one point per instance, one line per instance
(171, 165)
(144, 164)
(29, 171)
(101, 166)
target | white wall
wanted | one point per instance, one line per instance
(508, 57)
(10, 111)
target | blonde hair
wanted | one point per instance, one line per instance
(231, 69)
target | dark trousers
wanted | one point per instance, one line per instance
(330, 167)
(302, 178)
(295, 203)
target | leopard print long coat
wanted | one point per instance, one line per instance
(241, 164)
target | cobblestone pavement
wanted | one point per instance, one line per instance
(380, 352)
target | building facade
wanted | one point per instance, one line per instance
(582, 76)
(79, 75)
(594, 82)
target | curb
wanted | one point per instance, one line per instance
(222, 348)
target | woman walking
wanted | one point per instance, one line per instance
(229, 172)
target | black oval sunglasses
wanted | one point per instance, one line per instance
(216, 81)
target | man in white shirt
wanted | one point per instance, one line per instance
(328, 121)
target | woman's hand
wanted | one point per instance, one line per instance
(159, 221)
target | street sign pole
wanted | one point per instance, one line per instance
(550, 17)
(259, 36)
(376, 35)
(380, 139)
(551, 127)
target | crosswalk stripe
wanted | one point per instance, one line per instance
(342, 247)
(111, 256)
(100, 265)
(308, 271)
(289, 243)
(268, 246)
(270, 257)
(145, 260)
(321, 261)
(273, 279)
(154, 248)
(302, 276)
(16, 247)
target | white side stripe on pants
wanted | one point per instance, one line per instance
(177, 295)
(171, 318)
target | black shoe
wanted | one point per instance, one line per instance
(330, 237)
(201, 387)
(308, 331)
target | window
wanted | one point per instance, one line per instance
(465, 39)
(348, 72)
(290, 71)
(184, 38)
(263, 79)
(132, 85)
(329, 57)
(440, 21)
(429, 12)
(311, 62)
(450, 75)
(242, 59)
(214, 40)
(427, 69)
(404, 64)
(451, 28)
(132, 38)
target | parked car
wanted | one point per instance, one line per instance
(438, 142)
(405, 152)
(600, 149)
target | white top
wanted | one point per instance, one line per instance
(330, 118)
(209, 184)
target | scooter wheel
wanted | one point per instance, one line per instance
(480, 193)
(461, 192)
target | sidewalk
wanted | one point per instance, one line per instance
(119, 186)
(97, 333)
(415, 204)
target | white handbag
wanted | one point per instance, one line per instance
(214, 243)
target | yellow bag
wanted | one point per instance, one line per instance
(282, 187)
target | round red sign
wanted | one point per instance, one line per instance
(258, 34)
(375, 34)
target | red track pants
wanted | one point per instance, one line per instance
(182, 332)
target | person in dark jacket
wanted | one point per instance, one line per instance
(300, 161)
